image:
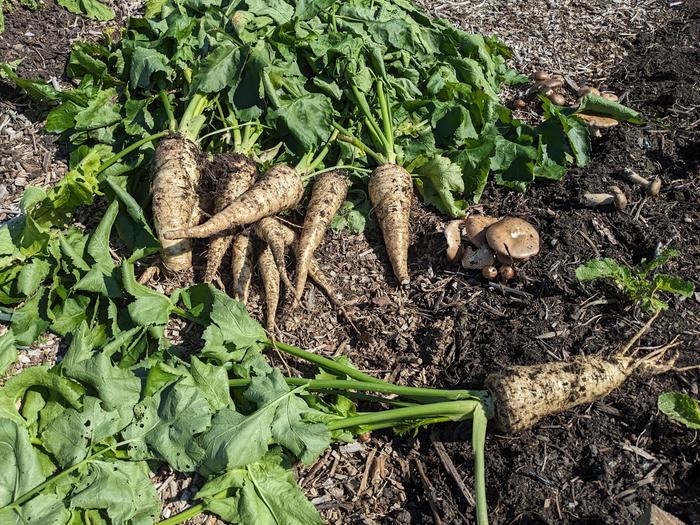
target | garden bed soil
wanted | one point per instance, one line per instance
(601, 463)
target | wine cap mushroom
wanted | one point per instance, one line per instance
(475, 228)
(453, 237)
(514, 238)
(595, 122)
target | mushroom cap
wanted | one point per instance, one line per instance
(513, 237)
(477, 259)
(588, 90)
(475, 228)
(619, 197)
(453, 236)
(654, 187)
(597, 122)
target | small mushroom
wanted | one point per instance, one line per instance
(557, 99)
(653, 187)
(514, 239)
(477, 259)
(609, 96)
(453, 237)
(595, 123)
(616, 196)
(475, 228)
(507, 273)
(489, 273)
(540, 75)
(587, 90)
(519, 104)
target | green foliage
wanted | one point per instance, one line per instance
(640, 283)
(680, 407)
(90, 8)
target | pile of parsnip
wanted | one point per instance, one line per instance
(225, 112)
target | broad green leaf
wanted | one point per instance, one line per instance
(98, 245)
(118, 388)
(37, 89)
(44, 509)
(291, 426)
(669, 283)
(680, 407)
(102, 111)
(145, 63)
(234, 321)
(439, 180)
(121, 488)
(603, 269)
(71, 436)
(221, 68)
(307, 118)
(213, 382)
(29, 321)
(8, 351)
(603, 106)
(235, 440)
(90, 8)
(147, 311)
(167, 424)
(20, 468)
(32, 275)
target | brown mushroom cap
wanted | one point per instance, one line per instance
(475, 228)
(596, 121)
(513, 237)
(477, 259)
(453, 237)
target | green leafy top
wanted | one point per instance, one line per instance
(638, 283)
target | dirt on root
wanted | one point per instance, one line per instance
(601, 463)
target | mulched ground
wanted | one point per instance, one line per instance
(597, 464)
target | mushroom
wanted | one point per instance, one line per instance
(479, 258)
(595, 123)
(453, 237)
(519, 104)
(588, 90)
(540, 75)
(557, 99)
(513, 239)
(489, 273)
(653, 187)
(616, 196)
(609, 96)
(507, 273)
(475, 228)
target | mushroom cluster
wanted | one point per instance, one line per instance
(554, 87)
(495, 246)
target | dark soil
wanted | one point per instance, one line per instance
(601, 463)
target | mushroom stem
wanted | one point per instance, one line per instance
(616, 196)
(653, 187)
(597, 199)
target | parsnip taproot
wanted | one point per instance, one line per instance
(270, 277)
(278, 237)
(391, 191)
(277, 190)
(233, 175)
(176, 178)
(241, 266)
(523, 395)
(328, 194)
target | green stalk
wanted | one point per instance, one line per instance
(455, 410)
(172, 123)
(347, 136)
(270, 90)
(187, 514)
(324, 363)
(133, 147)
(479, 422)
(333, 168)
(411, 392)
(382, 144)
(382, 426)
(323, 153)
(192, 120)
(385, 108)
